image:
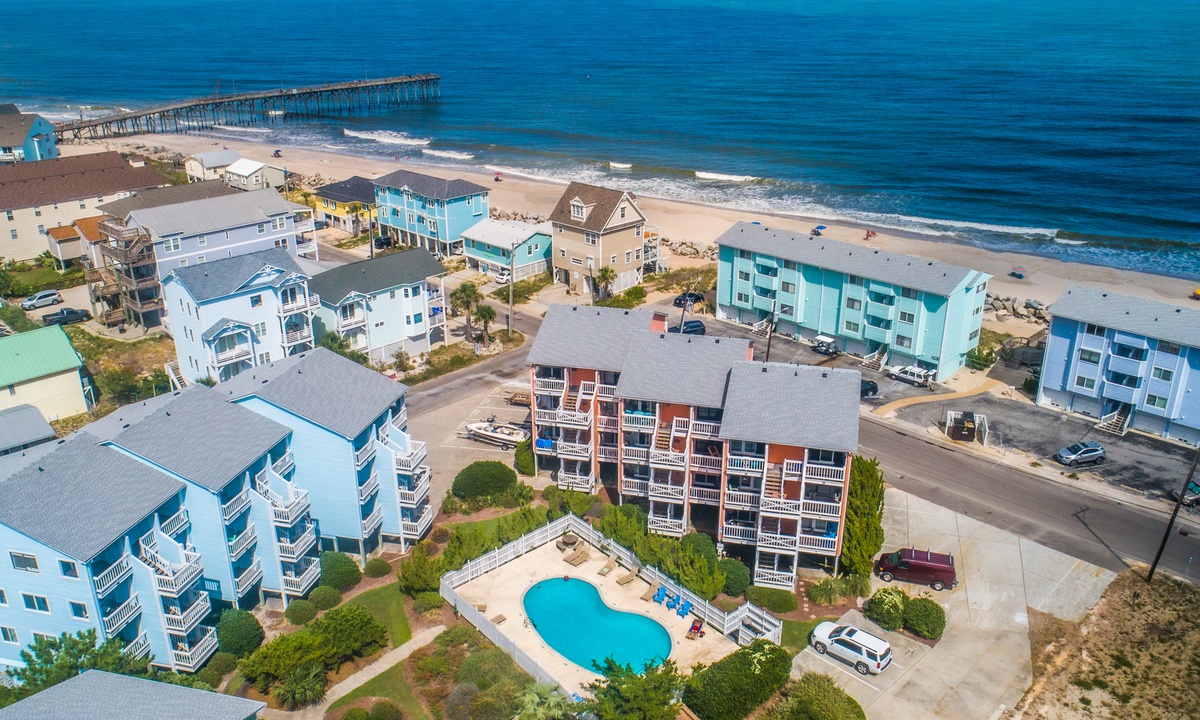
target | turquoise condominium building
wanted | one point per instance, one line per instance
(25, 137)
(144, 524)
(494, 245)
(428, 212)
(889, 308)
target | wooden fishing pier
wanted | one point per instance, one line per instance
(252, 108)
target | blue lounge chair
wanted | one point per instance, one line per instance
(660, 595)
(673, 602)
(576, 698)
(685, 608)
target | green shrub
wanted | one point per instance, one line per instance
(272, 661)
(816, 697)
(209, 675)
(863, 535)
(239, 633)
(460, 634)
(450, 504)
(427, 601)
(351, 630)
(925, 618)
(701, 544)
(824, 592)
(384, 710)
(483, 479)
(737, 576)
(485, 668)
(855, 586)
(324, 597)
(222, 662)
(338, 570)
(441, 533)
(419, 573)
(773, 599)
(979, 359)
(299, 612)
(886, 608)
(356, 714)
(631, 298)
(523, 457)
(302, 685)
(377, 567)
(458, 702)
(731, 688)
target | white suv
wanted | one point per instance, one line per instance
(912, 375)
(868, 654)
(42, 299)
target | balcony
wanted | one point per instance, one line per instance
(793, 468)
(295, 337)
(249, 576)
(176, 523)
(740, 499)
(241, 543)
(234, 507)
(739, 534)
(817, 543)
(1118, 392)
(607, 392)
(172, 580)
(832, 473)
(136, 283)
(569, 418)
(113, 575)
(882, 311)
(356, 320)
(667, 526)
(746, 465)
(630, 421)
(775, 578)
(226, 357)
(121, 616)
(185, 623)
(608, 423)
(704, 495)
(367, 489)
(780, 507)
(667, 492)
(400, 419)
(417, 494)
(579, 451)
(364, 454)
(139, 648)
(608, 453)
(703, 428)
(636, 455)
(668, 459)
(300, 304)
(549, 385)
(634, 486)
(707, 462)
(283, 464)
(777, 541)
(409, 463)
(877, 334)
(416, 529)
(286, 515)
(299, 584)
(822, 509)
(1126, 366)
(574, 481)
(293, 551)
(191, 659)
(372, 522)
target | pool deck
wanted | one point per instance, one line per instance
(502, 590)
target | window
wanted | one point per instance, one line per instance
(743, 297)
(37, 212)
(199, 259)
(612, 260)
(1093, 329)
(1086, 383)
(260, 329)
(622, 212)
(745, 254)
(907, 317)
(789, 264)
(39, 637)
(255, 300)
(262, 228)
(78, 610)
(408, 319)
(279, 223)
(974, 334)
(82, 205)
(637, 254)
(1156, 401)
(21, 561)
(9, 216)
(628, 256)
(412, 218)
(324, 203)
(264, 358)
(590, 238)
(908, 293)
(3, 597)
(789, 287)
(1162, 374)
(41, 229)
(827, 457)
(12, 234)
(980, 288)
(904, 342)
(171, 245)
(1169, 348)
(417, 319)
(854, 280)
(851, 327)
(257, 179)
(576, 210)
(591, 261)
(977, 310)
(183, 263)
(9, 635)
(201, 240)
(562, 253)
(1089, 356)
(68, 568)
(853, 304)
(557, 228)
(787, 310)
(36, 603)
(743, 275)
(637, 231)
(281, 242)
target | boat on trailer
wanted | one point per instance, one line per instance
(494, 433)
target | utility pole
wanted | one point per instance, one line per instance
(771, 329)
(687, 302)
(511, 279)
(1174, 513)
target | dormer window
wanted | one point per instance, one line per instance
(577, 210)
(622, 212)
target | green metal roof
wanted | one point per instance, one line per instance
(35, 354)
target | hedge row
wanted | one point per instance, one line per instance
(731, 688)
(891, 609)
(339, 635)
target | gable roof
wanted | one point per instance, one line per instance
(1152, 319)
(322, 387)
(218, 327)
(99, 695)
(170, 195)
(245, 166)
(906, 270)
(215, 213)
(216, 158)
(429, 186)
(36, 353)
(15, 126)
(75, 177)
(80, 497)
(63, 232)
(23, 425)
(201, 437)
(224, 277)
(89, 227)
(371, 276)
(506, 234)
(602, 201)
(810, 406)
(355, 189)
(588, 337)
(685, 369)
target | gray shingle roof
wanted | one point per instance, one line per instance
(321, 386)
(215, 213)
(81, 497)
(15, 126)
(429, 186)
(224, 277)
(202, 437)
(99, 695)
(23, 425)
(216, 328)
(906, 270)
(587, 337)
(1122, 312)
(355, 189)
(812, 407)
(372, 276)
(218, 158)
(170, 195)
(684, 369)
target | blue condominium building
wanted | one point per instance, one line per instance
(497, 245)
(429, 212)
(1128, 362)
(25, 137)
(889, 308)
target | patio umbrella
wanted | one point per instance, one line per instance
(820, 227)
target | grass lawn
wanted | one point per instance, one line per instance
(796, 633)
(387, 605)
(389, 684)
(522, 290)
(448, 358)
(488, 527)
(353, 242)
(15, 318)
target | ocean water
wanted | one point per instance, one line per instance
(1064, 128)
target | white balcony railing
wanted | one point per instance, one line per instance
(364, 453)
(176, 523)
(679, 426)
(573, 450)
(825, 472)
(122, 614)
(706, 429)
(637, 422)
(707, 496)
(249, 576)
(575, 481)
(417, 494)
(667, 491)
(287, 515)
(668, 458)
(775, 578)
(793, 467)
(367, 489)
(300, 304)
(549, 385)
(180, 578)
(639, 456)
(815, 542)
(113, 574)
(299, 584)
(739, 534)
(738, 463)
(295, 337)
(736, 498)
(667, 526)
(236, 505)
(587, 389)
(237, 354)
(633, 486)
(777, 541)
(707, 462)
(608, 392)
(283, 464)
(139, 648)
(371, 522)
(608, 423)
(354, 321)
(184, 623)
(193, 657)
(607, 453)
(407, 464)
(780, 506)
(824, 509)
(292, 551)
(416, 529)
(241, 543)
(400, 419)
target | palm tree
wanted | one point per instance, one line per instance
(604, 279)
(465, 298)
(303, 685)
(486, 315)
(353, 210)
(543, 702)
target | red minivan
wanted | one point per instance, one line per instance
(918, 566)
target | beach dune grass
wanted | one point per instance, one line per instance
(523, 290)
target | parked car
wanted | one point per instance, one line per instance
(912, 374)
(688, 298)
(868, 388)
(1081, 453)
(66, 316)
(918, 566)
(1191, 496)
(690, 327)
(42, 299)
(503, 277)
(868, 654)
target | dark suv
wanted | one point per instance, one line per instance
(689, 327)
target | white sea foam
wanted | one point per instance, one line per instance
(235, 128)
(1063, 241)
(388, 137)
(723, 177)
(530, 174)
(452, 154)
(619, 166)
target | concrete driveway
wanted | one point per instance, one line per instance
(74, 297)
(981, 665)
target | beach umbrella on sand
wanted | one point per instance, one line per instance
(820, 227)
(1018, 272)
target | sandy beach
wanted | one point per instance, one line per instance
(1045, 278)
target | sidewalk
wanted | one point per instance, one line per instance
(895, 405)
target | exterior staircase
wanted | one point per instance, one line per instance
(876, 360)
(662, 438)
(178, 382)
(773, 482)
(1116, 422)
(762, 329)
(571, 403)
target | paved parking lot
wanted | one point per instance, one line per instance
(982, 664)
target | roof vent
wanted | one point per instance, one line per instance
(930, 264)
(764, 368)
(824, 374)
(1178, 310)
(574, 308)
(1103, 294)
(718, 341)
(626, 312)
(662, 335)
(125, 426)
(41, 469)
(167, 413)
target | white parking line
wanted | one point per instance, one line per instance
(480, 446)
(838, 666)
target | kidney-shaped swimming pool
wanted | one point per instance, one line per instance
(573, 619)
